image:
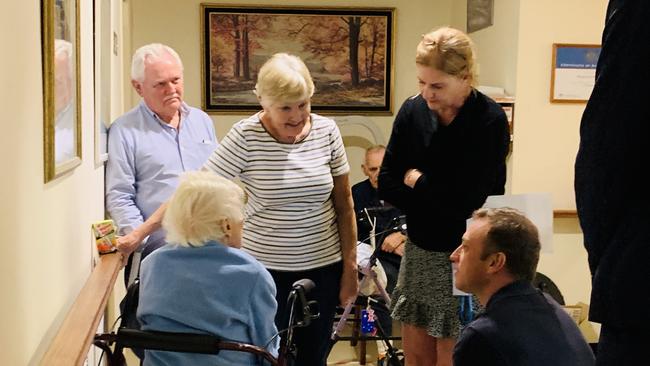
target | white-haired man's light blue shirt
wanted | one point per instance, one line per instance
(146, 157)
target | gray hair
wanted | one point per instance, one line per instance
(375, 148)
(153, 50)
(202, 201)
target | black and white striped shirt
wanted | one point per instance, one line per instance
(290, 220)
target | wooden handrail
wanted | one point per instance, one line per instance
(72, 342)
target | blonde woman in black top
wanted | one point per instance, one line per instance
(446, 154)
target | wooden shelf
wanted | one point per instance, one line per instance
(565, 214)
(504, 99)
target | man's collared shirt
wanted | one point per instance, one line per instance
(146, 157)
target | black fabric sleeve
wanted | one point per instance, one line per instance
(391, 176)
(481, 174)
(472, 349)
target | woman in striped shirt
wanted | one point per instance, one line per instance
(299, 218)
(299, 215)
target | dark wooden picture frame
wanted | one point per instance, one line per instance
(352, 74)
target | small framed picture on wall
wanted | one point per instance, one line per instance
(573, 72)
(479, 14)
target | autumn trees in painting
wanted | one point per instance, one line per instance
(347, 52)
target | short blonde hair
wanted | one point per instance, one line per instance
(283, 78)
(450, 51)
(198, 207)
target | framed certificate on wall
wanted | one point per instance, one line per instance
(573, 72)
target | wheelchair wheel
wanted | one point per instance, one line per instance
(545, 284)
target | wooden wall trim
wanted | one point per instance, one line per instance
(565, 214)
(72, 342)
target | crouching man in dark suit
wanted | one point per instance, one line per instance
(521, 326)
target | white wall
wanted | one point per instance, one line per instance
(45, 250)
(546, 134)
(496, 47)
(567, 265)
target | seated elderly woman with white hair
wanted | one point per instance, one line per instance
(202, 282)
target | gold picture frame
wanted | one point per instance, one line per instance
(573, 72)
(61, 87)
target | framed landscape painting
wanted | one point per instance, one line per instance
(347, 50)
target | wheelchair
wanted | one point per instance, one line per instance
(301, 315)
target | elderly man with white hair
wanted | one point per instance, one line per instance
(152, 144)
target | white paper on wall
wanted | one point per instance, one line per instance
(537, 207)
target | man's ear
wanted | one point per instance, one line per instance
(137, 86)
(497, 262)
